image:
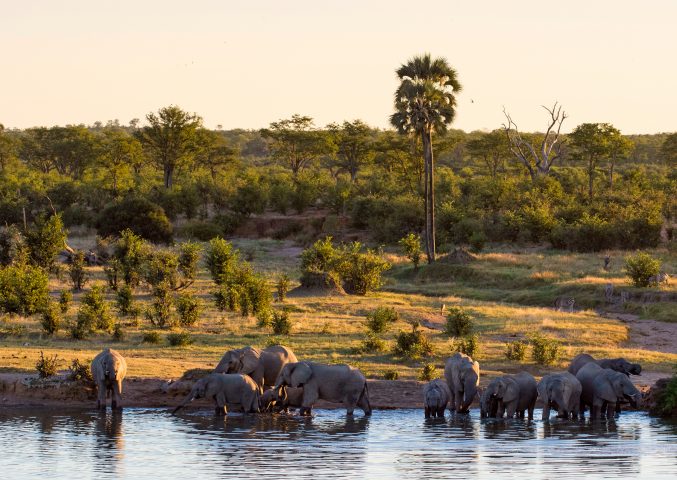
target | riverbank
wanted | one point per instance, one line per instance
(21, 390)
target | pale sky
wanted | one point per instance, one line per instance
(247, 63)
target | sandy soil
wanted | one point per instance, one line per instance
(649, 334)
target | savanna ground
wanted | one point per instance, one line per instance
(508, 291)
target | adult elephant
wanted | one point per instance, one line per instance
(617, 364)
(463, 378)
(262, 365)
(333, 383)
(561, 391)
(225, 389)
(108, 371)
(603, 389)
(512, 394)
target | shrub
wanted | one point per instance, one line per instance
(189, 256)
(151, 337)
(65, 300)
(640, 267)
(130, 251)
(282, 287)
(372, 344)
(390, 375)
(76, 270)
(143, 217)
(666, 401)
(189, 309)
(379, 320)
(113, 270)
(428, 372)
(320, 257)
(45, 240)
(411, 246)
(161, 266)
(201, 230)
(118, 332)
(96, 307)
(280, 323)
(221, 259)
(23, 289)
(516, 350)
(47, 366)
(544, 350)
(477, 241)
(51, 318)
(470, 345)
(159, 313)
(361, 272)
(80, 372)
(125, 300)
(459, 322)
(13, 248)
(412, 344)
(180, 339)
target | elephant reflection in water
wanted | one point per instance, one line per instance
(110, 443)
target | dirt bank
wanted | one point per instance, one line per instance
(28, 390)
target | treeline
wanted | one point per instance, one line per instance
(604, 189)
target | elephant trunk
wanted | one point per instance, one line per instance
(468, 397)
(188, 399)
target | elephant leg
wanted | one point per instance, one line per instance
(221, 409)
(101, 395)
(440, 412)
(510, 410)
(363, 402)
(618, 408)
(452, 402)
(116, 401)
(310, 396)
(546, 410)
(426, 412)
(610, 410)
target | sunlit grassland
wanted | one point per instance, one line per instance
(508, 294)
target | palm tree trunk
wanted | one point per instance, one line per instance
(429, 195)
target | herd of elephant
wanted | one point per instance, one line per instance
(273, 380)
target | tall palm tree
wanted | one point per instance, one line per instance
(425, 102)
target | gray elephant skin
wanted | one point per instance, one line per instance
(561, 391)
(263, 366)
(225, 389)
(463, 379)
(509, 394)
(333, 383)
(108, 371)
(617, 364)
(436, 396)
(282, 399)
(603, 389)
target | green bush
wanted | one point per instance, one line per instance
(412, 344)
(459, 322)
(189, 309)
(411, 247)
(80, 372)
(51, 318)
(65, 300)
(544, 350)
(428, 372)
(113, 271)
(45, 240)
(130, 251)
(23, 289)
(47, 366)
(143, 217)
(161, 266)
(76, 270)
(516, 350)
(151, 337)
(666, 401)
(180, 339)
(640, 267)
(98, 309)
(477, 241)
(390, 375)
(470, 345)
(361, 272)
(372, 344)
(280, 323)
(13, 248)
(159, 313)
(125, 300)
(189, 256)
(380, 319)
(321, 257)
(118, 333)
(201, 230)
(221, 260)
(282, 287)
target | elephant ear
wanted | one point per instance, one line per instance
(301, 374)
(249, 360)
(605, 389)
(511, 392)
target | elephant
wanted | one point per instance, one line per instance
(281, 399)
(617, 364)
(512, 394)
(224, 389)
(463, 379)
(603, 389)
(333, 383)
(436, 396)
(108, 371)
(561, 391)
(263, 366)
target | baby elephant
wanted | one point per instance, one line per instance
(513, 394)
(561, 391)
(436, 395)
(224, 389)
(281, 399)
(108, 370)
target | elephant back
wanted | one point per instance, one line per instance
(579, 362)
(273, 359)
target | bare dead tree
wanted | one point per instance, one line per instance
(537, 161)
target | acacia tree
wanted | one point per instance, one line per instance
(492, 148)
(619, 147)
(170, 139)
(296, 142)
(592, 143)
(214, 152)
(354, 146)
(425, 102)
(538, 159)
(401, 155)
(118, 152)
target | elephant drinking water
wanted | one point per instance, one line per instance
(263, 366)
(108, 370)
(463, 378)
(225, 389)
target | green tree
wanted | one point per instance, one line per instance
(619, 147)
(668, 150)
(45, 240)
(171, 139)
(492, 148)
(214, 152)
(118, 152)
(296, 142)
(354, 146)
(70, 149)
(425, 102)
(8, 148)
(592, 143)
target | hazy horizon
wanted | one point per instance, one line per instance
(242, 65)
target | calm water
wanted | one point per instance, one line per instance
(144, 443)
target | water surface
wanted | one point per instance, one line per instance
(144, 443)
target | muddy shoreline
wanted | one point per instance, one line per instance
(21, 390)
